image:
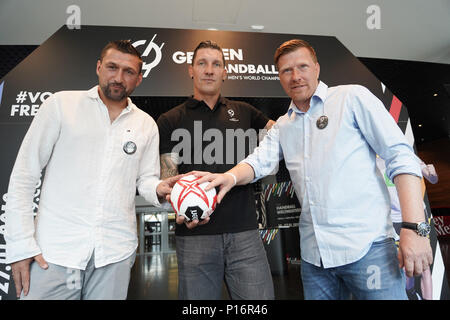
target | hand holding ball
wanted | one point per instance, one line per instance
(190, 199)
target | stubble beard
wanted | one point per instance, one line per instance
(108, 91)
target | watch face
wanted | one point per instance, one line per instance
(423, 229)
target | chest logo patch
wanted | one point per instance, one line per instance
(231, 114)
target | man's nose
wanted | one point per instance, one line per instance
(209, 69)
(296, 75)
(118, 77)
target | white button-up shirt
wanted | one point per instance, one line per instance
(345, 203)
(88, 192)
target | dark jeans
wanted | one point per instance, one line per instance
(238, 258)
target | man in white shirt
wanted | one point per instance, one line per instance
(96, 147)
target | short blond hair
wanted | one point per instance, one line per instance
(292, 45)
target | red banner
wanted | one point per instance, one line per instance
(442, 225)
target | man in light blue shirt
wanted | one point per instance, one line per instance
(329, 139)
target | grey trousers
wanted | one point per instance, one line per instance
(205, 261)
(60, 283)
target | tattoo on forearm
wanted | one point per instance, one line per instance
(168, 167)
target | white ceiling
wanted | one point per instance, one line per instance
(417, 30)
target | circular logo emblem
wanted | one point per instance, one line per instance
(129, 147)
(322, 122)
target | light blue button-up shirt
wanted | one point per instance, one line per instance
(345, 203)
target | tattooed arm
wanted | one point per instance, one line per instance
(169, 165)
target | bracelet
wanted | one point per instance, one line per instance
(234, 177)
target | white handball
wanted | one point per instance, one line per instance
(190, 199)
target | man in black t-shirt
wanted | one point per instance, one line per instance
(211, 133)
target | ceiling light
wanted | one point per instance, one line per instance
(435, 95)
(257, 27)
(213, 29)
(420, 125)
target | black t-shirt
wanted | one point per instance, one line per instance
(215, 141)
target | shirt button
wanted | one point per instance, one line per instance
(311, 203)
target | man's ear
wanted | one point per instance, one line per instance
(191, 72)
(139, 79)
(224, 76)
(98, 66)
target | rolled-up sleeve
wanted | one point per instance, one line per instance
(33, 156)
(149, 169)
(383, 134)
(266, 157)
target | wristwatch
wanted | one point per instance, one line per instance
(423, 229)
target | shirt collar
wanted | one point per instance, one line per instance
(93, 94)
(319, 95)
(194, 103)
